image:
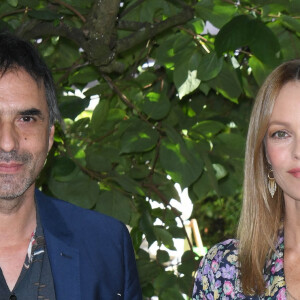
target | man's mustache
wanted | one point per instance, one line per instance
(15, 156)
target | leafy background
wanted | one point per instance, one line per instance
(176, 81)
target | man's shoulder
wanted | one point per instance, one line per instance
(75, 215)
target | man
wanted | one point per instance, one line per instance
(49, 249)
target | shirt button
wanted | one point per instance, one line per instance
(13, 297)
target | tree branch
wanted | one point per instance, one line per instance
(157, 149)
(124, 98)
(150, 31)
(101, 22)
(17, 11)
(37, 29)
(132, 25)
(100, 31)
(71, 8)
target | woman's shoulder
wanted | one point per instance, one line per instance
(218, 273)
(222, 249)
(223, 257)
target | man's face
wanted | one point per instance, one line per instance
(25, 135)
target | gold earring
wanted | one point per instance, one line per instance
(271, 184)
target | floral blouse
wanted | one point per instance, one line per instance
(218, 274)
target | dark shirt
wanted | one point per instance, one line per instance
(35, 280)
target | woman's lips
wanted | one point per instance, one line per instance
(295, 172)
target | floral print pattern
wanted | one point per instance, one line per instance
(218, 274)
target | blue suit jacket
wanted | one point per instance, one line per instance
(91, 254)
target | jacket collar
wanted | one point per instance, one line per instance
(63, 256)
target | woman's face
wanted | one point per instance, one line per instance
(283, 140)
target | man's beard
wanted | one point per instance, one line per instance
(12, 185)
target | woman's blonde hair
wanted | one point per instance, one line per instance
(261, 215)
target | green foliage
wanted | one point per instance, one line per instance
(175, 97)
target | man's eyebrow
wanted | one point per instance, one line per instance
(32, 112)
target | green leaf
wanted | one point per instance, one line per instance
(115, 205)
(64, 169)
(227, 83)
(260, 71)
(291, 23)
(164, 237)
(198, 25)
(220, 171)
(162, 256)
(139, 172)
(84, 76)
(146, 226)
(233, 35)
(156, 105)
(100, 114)
(230, 186)
(189, 85)
(186, 74)
(207, 128)
(64, 55)
(13, 3)
(180, 159)
(45, 15)
(188, 263)
(141, 140)
(244, 31)
(146, 78)
(98, 159)
(147, 270)
(289, 40)
(72, 106)
(293, 7)
(203, 186)
(210, 172)
(209, 66)
(80, 190)
(136, 237)
(231, 144)
(129, 184)
(177, 232)
(171, 293)
(265, 45)
(216, 12)
(164, 280)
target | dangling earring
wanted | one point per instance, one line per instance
(271, 183)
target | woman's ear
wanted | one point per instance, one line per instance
(266, 152)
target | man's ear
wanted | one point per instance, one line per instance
(51, 137)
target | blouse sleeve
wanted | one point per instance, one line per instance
(218, 273)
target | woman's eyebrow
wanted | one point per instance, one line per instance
(275, 122)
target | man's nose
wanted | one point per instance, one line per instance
(9, 137)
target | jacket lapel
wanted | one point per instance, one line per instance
(64, 259)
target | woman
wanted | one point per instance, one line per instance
(264, 261)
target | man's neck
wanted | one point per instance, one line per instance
(17, 217)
